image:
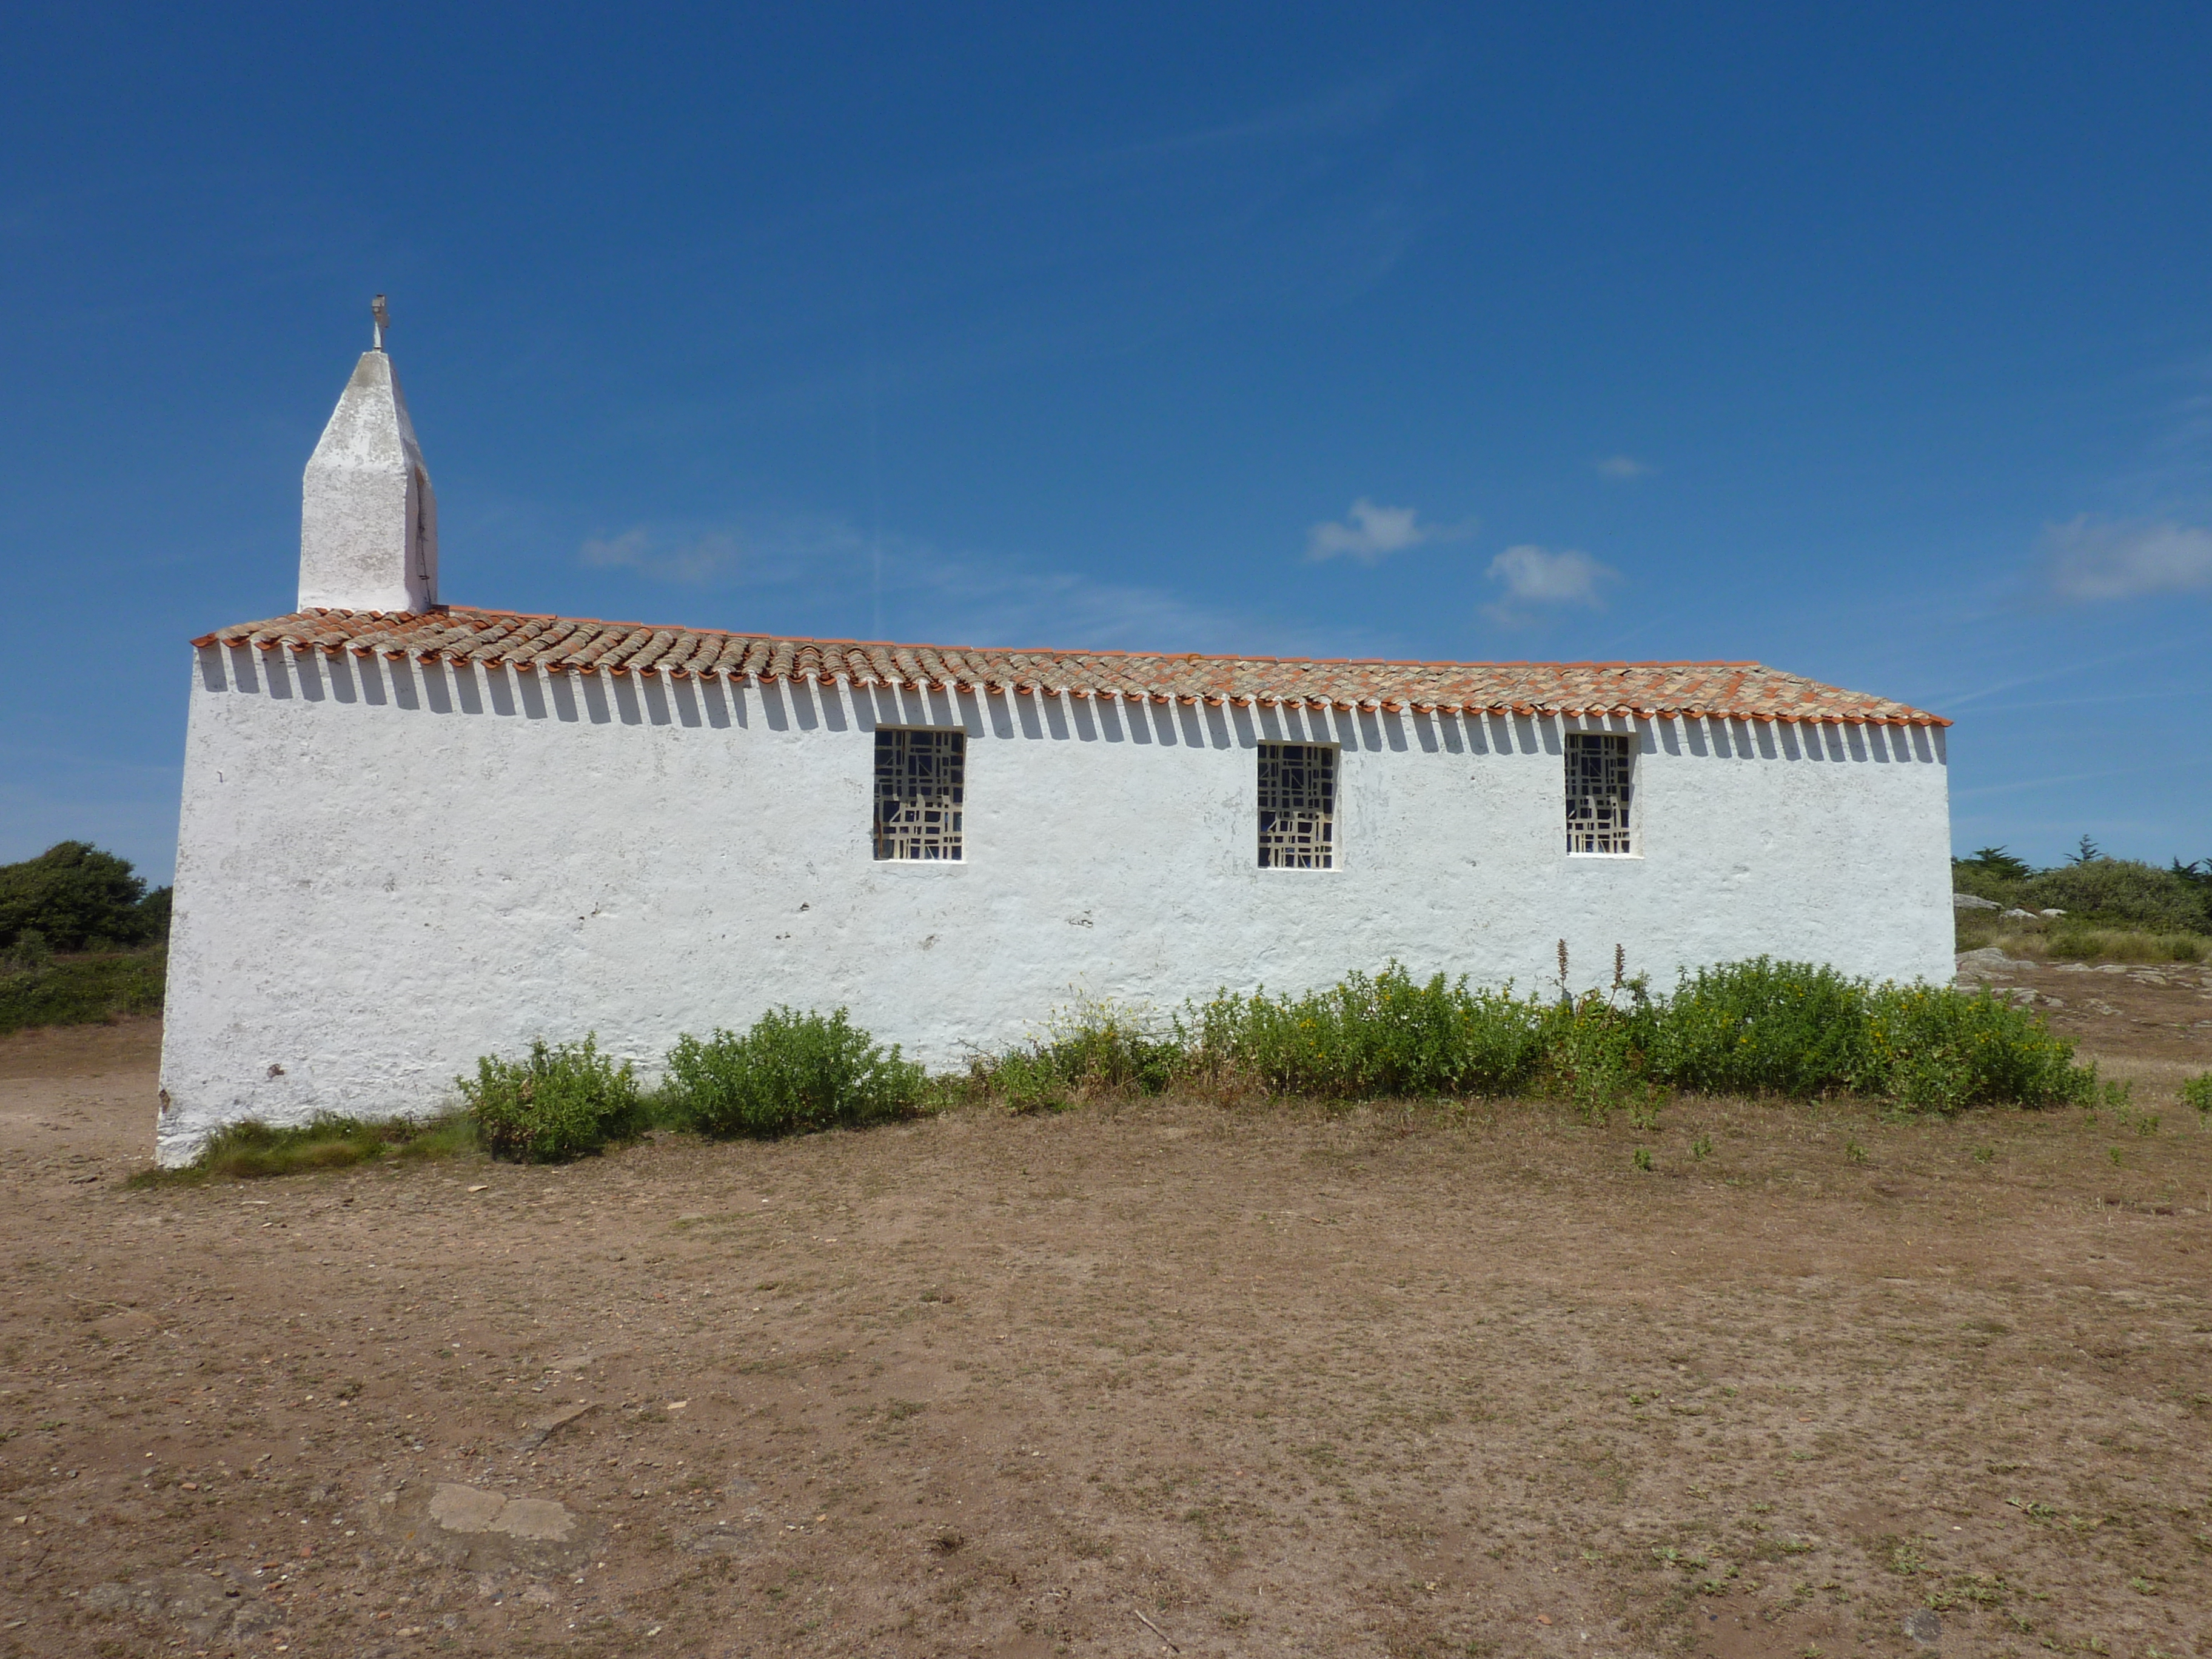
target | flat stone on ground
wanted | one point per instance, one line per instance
(464, 1508)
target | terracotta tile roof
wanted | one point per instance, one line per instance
(1735, 690)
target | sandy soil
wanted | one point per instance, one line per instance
(1171, 1378)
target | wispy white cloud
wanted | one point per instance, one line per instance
(1370, 533)
(2163, 765)
(820, 575)
(1624, 468)
(1567, 577)
(1292, 210)
(1353, 107)
(2073, 668)
(1536, 576)
(695, 561)
(2091, 559)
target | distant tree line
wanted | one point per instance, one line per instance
(75, 897)
(2091, 887)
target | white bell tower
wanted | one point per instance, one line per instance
(368, 522)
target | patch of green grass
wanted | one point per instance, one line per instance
(2197, 1093)
(81, 990)
(1095, 1047)
(257, 1151)
(1025, 1082)
(1098, 1044)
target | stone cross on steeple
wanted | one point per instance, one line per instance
(368, 521)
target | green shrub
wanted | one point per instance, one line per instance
(1367, 1038)
(1752, 1028)
(255, 1151)
(27, 953)
(38, 989)
(1763, 1027)
(2075, 941)
(2197, 1093)
(79, 898)
(1994, 863)
(1026, 1081)
(1933, 1048)
(1998, 882)
(561, 1104)
(1799, 1031)
(1596, 1055)
(1094, 1046)
(1098, 1044)
(2122, 891)
(791, 1072)
(2111, 905)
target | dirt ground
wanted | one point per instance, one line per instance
(2140, 1012)
(1168, 1378)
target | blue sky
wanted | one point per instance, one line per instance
(1875, 342)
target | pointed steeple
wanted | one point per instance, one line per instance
(368, 521)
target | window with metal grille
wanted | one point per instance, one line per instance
(1600, 767)
(920, 784)
(1298, 806)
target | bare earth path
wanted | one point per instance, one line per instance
(1242, 1381)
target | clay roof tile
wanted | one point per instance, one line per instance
(1708, 691)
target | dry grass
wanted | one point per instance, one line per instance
(1396, 1381)
(2064, 941)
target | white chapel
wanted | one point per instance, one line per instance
(414, 831)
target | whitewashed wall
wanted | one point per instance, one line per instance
(388, 869)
